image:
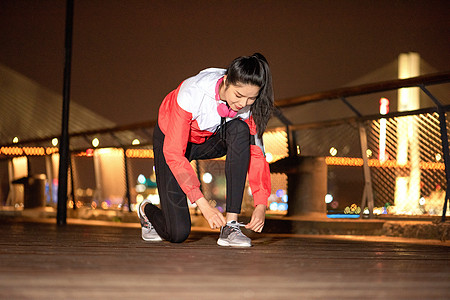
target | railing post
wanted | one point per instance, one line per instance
(127, 182)
(61, 215)
(367, 197)
(197, 170)
(368, 192)
(445, 152)
(445, 149)
(11, 198)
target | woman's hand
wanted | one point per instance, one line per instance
(211, 214)
(258, 217)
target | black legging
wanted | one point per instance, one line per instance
(173, 221)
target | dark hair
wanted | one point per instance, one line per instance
(254, 70)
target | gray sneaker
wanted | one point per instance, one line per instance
(231, 235)
(148, 231)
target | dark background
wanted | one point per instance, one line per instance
(128, 54)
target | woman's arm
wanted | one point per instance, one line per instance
(259, 180)
(258, 218)
(212, 215)
(175, 122)
(177, 125)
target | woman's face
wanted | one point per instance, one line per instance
(239, 95)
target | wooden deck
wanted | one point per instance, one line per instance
(44, 261)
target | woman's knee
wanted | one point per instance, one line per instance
(238, 127)
(180, 235)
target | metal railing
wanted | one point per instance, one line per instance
(287, 140)
(343, 93)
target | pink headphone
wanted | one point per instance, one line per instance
(223, 110)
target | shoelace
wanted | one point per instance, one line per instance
(148, 225)
(236, 226)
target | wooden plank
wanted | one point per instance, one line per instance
(44, 261)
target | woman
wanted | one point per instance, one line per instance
(215, 113)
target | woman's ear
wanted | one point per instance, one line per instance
(225, 80)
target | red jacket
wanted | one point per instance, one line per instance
(189, 114)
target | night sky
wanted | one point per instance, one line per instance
(127, 55)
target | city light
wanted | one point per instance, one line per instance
(15, 140)
(333, 151)
(55, 142)
(207, 178)
(422, 201)
(384, 109)
(140, 188)
(18, 151)
(282, 206)
(11, 151)
(384, 106)
(352, 209)
(106, 151)
(141, 179)
(95, 142)
(328, 198)
(407, 186)
(357, 162)
(139, 153)
(273, 206)
(280, 193)
(139, 199)
(51, 150)
(135, 142)
(89, 152)
(89, 192)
